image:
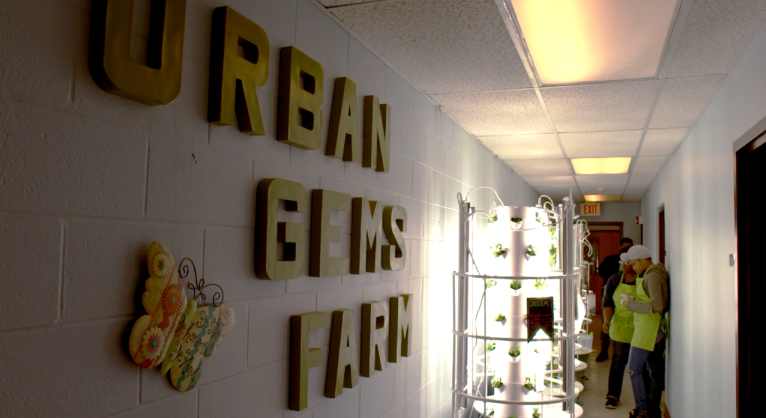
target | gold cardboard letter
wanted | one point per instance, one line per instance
(233, 79)
(269, 232)
(365, 225)
(374, 333)
(343, 134)
(400, 330)
(323, 233)
(377, 128)
(159, 81)
(302, 358)
(342, 363)
(301, 86)
(394, 223)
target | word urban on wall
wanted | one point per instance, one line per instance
(239, 62)
(381, 323)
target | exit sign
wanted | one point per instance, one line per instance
(590, 209)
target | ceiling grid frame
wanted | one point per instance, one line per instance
(532, 74)
(742, 21)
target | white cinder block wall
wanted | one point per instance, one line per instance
(696, 188)
(88, 180)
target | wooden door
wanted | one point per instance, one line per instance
(605, 240)
(751, 272)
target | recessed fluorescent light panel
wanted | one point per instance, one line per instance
(576, 41)
(602, 197)
(617, 165)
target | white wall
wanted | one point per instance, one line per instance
(624, 212)
(88, 180)
(697, 188)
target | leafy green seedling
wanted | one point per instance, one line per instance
(536, 414)
(531, 250)
(529, 385)
(499, 317)
(515, 351)
(538, 219)
(491, 283)
(515, 285)
(492, 219)
(497, 382)
(498, 250)
(491, 346)
(540, 284)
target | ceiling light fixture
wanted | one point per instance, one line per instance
(575, 41)
(602, 197)
(615, 165)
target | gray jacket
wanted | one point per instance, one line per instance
(656, 287)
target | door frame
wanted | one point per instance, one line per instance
(743, 372)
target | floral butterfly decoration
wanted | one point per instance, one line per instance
(176, 332)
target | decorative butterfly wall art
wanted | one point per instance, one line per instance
(176, 332)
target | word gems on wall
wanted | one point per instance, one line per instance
(366, 246)
(233, 79)
(176, 333)
(383, 325)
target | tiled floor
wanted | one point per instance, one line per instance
(594, 395)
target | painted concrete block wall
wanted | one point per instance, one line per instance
(696, 188)
(88, 180)
(624, 212)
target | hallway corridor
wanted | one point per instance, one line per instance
(594, 395)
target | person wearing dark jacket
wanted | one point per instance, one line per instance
(608, 268)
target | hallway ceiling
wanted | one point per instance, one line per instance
(467, 57)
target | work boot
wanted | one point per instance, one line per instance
(602, 356)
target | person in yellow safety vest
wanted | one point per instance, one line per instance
(618, 323)
(647, 346)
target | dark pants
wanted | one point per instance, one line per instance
(620, 357)
(605, 340)
(651, 364)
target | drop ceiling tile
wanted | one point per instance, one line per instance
(662, 141)
(683, 100)
(558, 167)
(551, 181)
(633, 196)
(601, 107)
(649, 165)
(602, 180)
(601, 144)
(601, 190)
(523, 147)
(559, 193)
(496, 113)
(336, 3)
(714, 36)
(442, 46)
(640, 181)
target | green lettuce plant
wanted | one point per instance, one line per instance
(515, 351)
(499, 317)
(497, 382)
(531, 250)
(498, 250)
